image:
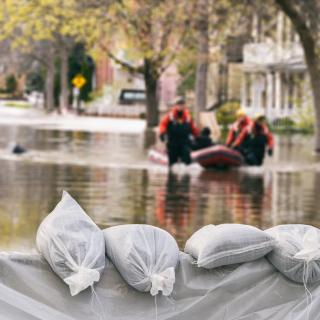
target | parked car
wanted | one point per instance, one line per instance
(132, 96)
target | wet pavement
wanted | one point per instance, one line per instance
(110, 176)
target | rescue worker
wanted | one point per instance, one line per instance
(241, 123)
(203, 140)
(176, 129)
(254, 140)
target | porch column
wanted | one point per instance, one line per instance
(270, 95)
(244, 91)
(277, 101)
(256, 101)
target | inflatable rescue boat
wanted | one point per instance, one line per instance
(218, 157)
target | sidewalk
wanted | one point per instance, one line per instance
(69, 122)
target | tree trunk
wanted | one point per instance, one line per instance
(64, 70)
(49, 85)
(202, 60)
(314, 73)
(151, 79)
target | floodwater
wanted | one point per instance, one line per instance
(110, 176)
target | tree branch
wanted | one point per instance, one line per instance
(288, 7)
(124, 64)
(305, 33)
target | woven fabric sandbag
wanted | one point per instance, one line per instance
(297, 252)
(220, 245)
(72, 244)
(145, 256)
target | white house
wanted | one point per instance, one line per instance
(275, 80)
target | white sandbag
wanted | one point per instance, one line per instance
(214, 246)
(72, 244)
(297, 252)
(145, 256)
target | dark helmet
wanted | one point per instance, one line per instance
(206, 131)
(258, 127)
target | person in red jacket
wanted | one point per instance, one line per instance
(176, 129)
(254, 140)
(241, 123)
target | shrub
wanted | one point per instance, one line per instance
(286, 123)
(305, 118)
(226, 114)
(302, 121)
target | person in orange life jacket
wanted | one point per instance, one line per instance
(203, 140)
(176, 129)
(241, 123)
(253, 141)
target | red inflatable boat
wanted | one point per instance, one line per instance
(218, 156)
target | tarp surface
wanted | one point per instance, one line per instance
(250, 291)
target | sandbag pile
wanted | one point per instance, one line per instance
(147, 256)
(294, 249)
(75, 248)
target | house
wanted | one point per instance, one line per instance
(275, 79)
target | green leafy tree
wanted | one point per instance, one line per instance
(81, 63)
(11, 84)
(153, 32)
(48, 30)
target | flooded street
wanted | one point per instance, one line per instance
(110, 176)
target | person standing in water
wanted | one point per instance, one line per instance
(237, 127)
(176, 130)
(254, 140)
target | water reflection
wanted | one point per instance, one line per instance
(175, 205)
(178, 202)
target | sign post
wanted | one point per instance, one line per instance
(78, 82)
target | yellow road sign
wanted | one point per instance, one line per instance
(79, 81)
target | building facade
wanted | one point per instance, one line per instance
(275, 79)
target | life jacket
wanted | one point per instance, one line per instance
(236, 129)
(173, 115)
(171, 119)
(239, 125)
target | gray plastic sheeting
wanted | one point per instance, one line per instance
(251, 291)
